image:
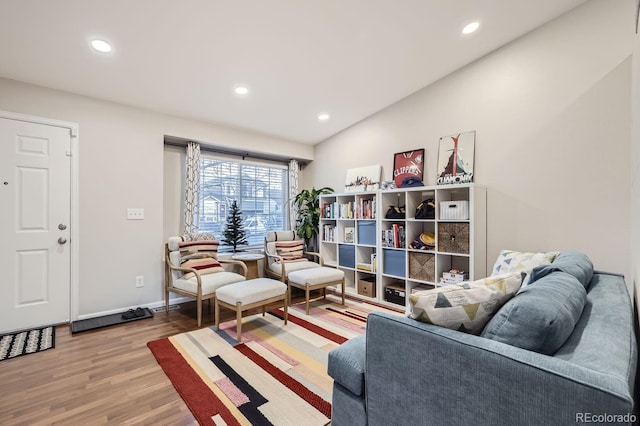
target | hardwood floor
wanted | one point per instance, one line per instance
(104, 376)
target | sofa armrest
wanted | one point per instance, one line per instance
(416, 371)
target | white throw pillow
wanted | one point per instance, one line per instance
(515, 261)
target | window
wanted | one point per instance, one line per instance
(260, 190)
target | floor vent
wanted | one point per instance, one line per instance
(161, 308)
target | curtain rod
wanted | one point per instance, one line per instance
(181, 142)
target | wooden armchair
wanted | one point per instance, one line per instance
(284, 253)
(192, 269)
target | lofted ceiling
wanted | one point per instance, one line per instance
(348, 58)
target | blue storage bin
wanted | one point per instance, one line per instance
(393, 262)
(367, 232)
(346, 256)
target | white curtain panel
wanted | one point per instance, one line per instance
(294, 172)
(192, 190)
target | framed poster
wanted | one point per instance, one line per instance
(455, 158)
(408, 164)
(363, 179)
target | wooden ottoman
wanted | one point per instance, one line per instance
(314, 279)
(245, 295)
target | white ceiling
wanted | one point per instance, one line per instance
(350, 58)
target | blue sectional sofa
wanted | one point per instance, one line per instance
(402, 371)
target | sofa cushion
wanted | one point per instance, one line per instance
(542, 316)
(515, 261)
(467, 306)
(346, 364)
(571, 262)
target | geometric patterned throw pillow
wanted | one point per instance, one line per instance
(290, 251)
(467, 306)
(514, 261)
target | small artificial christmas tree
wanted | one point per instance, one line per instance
(234, 233)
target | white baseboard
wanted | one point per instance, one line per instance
(151, 305)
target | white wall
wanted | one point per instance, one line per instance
(551, 113)
(121, 165)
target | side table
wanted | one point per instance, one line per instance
(251, 260)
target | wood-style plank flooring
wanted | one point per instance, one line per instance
(103, 376)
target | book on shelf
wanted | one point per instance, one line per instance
(328, 233)
(349, 234)
(366, 209)
(374, 262)
(364, 267)
(394, 237)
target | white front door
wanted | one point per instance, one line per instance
(34, 224)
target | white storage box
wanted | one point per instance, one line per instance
(449, 278)
(458, 210)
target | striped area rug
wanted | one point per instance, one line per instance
(276, 375)
(27, 342)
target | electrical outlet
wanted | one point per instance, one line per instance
(135, 214)
(139, 281)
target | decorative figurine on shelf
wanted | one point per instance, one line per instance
(234, 233)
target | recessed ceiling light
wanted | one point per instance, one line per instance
(101, 46)
(323, 116)
(470, 28)
(241, 90)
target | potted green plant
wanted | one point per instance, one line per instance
(307, 203)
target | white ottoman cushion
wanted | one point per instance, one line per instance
(251, 291)
(316, 276)
(292, 266)
(210, 282)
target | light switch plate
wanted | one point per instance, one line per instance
(135, 214)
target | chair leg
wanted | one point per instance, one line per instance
(166, 300)
(306, 292)
(286, 311)
(239, 322)
(289, 294)
(216, 308)
(343, 290)
(264, 309)
(199, 308)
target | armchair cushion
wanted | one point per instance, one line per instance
(208, 248)
(204, 265)
(290, 250)
(289, 267)
(210, 282)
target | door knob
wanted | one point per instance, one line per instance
(62, 240)
(62, 227)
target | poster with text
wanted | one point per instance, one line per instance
(409, 164)
(455, 158)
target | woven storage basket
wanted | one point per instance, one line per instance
(422, 266)
(453, 238)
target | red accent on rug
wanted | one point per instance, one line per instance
(202, 402)
(348, 314)
(311, 327)
(301, 390)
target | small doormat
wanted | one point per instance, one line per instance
(27, 342)
(107, 320)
